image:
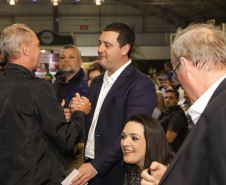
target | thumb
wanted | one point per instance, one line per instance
(63, 103)
(77, 95)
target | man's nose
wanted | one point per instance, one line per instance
(100, 48)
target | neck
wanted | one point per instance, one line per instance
(203, 84)
(22, 63)
(124, 61)
(69, 76)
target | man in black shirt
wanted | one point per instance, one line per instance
(173, 120)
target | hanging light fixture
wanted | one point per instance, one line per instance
(12, 2)
(55, 2)
(98, 2)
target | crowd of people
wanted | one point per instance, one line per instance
(111, 122)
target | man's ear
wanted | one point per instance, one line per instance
(25, 49)
(187, 64)
(80, 62)
(125, 49)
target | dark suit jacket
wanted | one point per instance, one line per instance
(201, 159)
(132, 92)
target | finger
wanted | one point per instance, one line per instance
(154, 166)
(77, 95)
(82, 180)
(76, 178)
(146, 176)
(63, 103)
(66, 110)
(144, 182)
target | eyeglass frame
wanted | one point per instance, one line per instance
(174, 76)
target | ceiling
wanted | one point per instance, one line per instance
(181, 13)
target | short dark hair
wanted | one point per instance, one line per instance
(173, 91)
(126, 34)
(71, 46)
(157, 146)
(168, 64)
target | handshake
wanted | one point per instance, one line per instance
(77, 103)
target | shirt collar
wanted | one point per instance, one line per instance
(198, 107)
(109, 80)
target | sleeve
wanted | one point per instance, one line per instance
(65, 135)
(177, 123)
(142, 99)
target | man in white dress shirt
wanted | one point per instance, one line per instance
(115, 95)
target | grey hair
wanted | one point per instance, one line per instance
(12, 38)
(202, 44)
(69, 46)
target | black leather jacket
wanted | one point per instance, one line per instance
(33, 129)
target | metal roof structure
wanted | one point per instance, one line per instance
(181, 13)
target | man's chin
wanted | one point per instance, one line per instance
(67, 72)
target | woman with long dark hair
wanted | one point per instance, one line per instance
(143, 141)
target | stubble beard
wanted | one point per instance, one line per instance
(68, 72)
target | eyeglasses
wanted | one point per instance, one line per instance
(174, 77)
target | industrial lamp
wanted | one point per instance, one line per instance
(55, 2)
(12, 2)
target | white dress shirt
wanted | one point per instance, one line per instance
(198, 107)
(106, 86)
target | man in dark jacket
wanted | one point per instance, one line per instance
(173, 120)
(33, 129)
(73, 79)
(198, 55)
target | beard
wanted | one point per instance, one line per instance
(68, 72)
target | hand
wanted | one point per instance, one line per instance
(86, 172)
(67, 112)
(157, 172)
(86, 106)
(76, 103)
(63, 103)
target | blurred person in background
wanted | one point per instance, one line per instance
(92, 70)
(173, 120)
(166, 84)
(168, 69)
(155, 80)
(185, 104)
(160, 107)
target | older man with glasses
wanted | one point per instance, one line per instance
(198, 55)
